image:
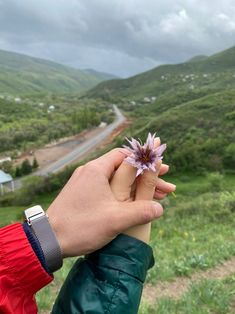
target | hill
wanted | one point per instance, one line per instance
(214, 72)
(198, 58)
(199, 133)
(101, 75)
(190, 105)
(21, 74)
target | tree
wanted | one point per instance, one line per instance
(35, 164)
(18, 172)
(26, 167)
(7, 167)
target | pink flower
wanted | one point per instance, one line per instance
(144, 157)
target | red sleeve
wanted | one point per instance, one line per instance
(21, 273)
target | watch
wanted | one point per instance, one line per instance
(40, 226)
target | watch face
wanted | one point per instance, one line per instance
(34, 213)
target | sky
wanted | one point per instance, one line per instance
(122, 37)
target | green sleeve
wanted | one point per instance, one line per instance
(109, 280)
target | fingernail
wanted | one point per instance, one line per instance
(173, 186)
(158, 209)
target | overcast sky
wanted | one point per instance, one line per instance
(123, 37)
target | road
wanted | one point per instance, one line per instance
(83, 147)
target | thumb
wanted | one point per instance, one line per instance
(138, 213)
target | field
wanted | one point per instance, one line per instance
(191, 243)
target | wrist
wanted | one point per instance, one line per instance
(41, 228)
(59, 233)
(141, 232)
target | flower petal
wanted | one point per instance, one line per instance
(159, 150)
(139, 171)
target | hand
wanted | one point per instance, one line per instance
(86, 215)
(126, 187)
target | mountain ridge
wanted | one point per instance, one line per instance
(162, 78)
(20, 73)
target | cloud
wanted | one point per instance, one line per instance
(119, 36)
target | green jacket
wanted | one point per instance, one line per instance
(109, 280)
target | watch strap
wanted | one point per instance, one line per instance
(48, 242)
(41, 228)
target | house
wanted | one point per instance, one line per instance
(18, 99)
(6, 182)
(147, 99)
(5, 159)
(102, 124)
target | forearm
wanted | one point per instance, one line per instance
(21, 273)
(109, 280)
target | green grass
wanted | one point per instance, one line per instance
(205, 297)
(15, 213)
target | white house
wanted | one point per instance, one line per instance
(6, 182)
(147, 99)
(102, 124)
(5, 159)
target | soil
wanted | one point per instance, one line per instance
(56, 150)
(178, 287)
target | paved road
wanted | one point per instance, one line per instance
(83, 147)
(80, 150)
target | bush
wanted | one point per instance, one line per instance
(215, 180)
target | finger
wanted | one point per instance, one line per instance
(122, 181)
(165, 187)
(164, 169)
(136, 213)
(112, 160)
(158, 195)
(147, 183)
(157, 142)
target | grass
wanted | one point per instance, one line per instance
(208, 296)
(196, 233)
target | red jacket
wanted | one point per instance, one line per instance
(21, 273)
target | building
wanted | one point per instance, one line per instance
(5, 159)
(6, 182)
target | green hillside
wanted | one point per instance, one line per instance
(101, 75)
(214, 72)
(190, 105)
(198, 58)
(199, 133)
(21, 74)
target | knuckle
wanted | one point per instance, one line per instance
(77, 171)
(148, 213)
(150, 180)
(91, 167)
(116, 149)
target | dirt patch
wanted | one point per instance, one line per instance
(105, 142)
(176, 288)
(57, 149)
(51, 152)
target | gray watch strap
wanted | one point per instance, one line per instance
(48, 242)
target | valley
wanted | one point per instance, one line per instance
(191, 106)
